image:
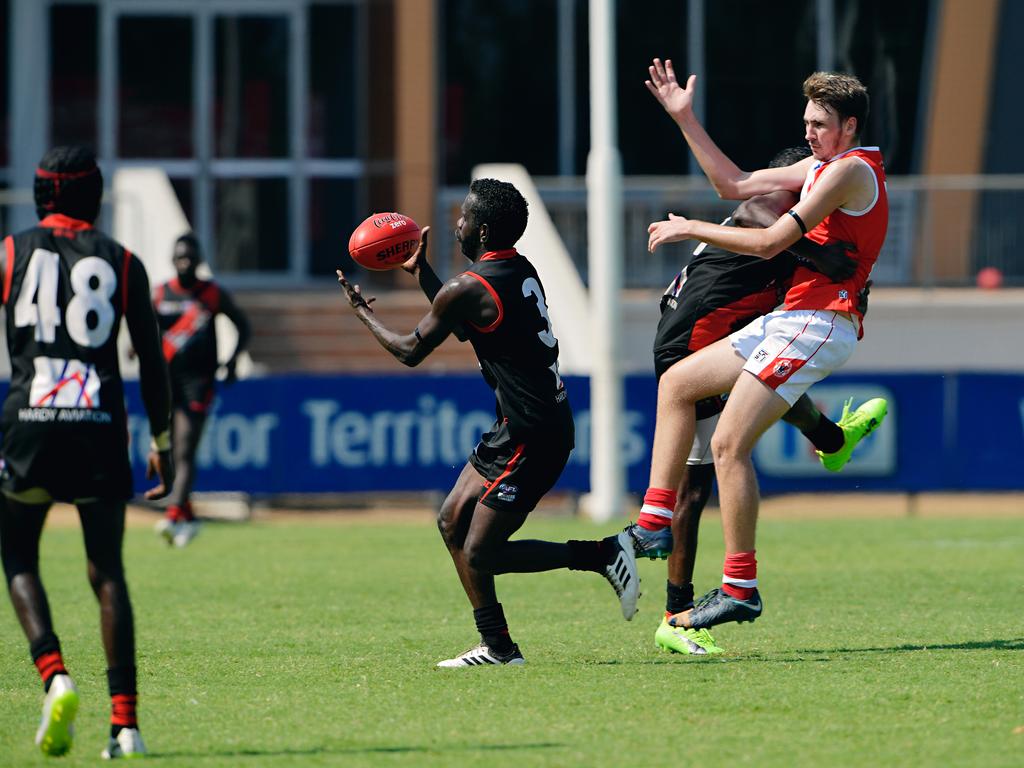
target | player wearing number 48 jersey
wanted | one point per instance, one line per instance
(499, 305)
(66, 287)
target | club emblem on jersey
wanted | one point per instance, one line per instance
(844, 294)
(62, 383)
(507, 492)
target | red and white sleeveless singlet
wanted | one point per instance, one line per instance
(864, 229)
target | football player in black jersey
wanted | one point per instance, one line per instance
(498, 303)
(66, 288)
(186, 308)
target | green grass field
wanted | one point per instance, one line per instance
(884, 642)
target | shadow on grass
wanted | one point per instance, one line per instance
(816, 655)
(340, 750)
(1016, 644)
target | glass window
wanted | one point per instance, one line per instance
(649, 141)
(333, 113)
(499, 102)
(251, 218)
(753, 86)
(155, 87)
(74, 80)
(886, 51)
(251, 88)
(332, 217)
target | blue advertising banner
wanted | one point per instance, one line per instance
(304, 434)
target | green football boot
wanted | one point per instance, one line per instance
(695, 642)
(856, 426)
(56, 730)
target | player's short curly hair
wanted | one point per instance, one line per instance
(502, 208)
(190, 239)
(789, 156)
(840, 93)
(68, 181)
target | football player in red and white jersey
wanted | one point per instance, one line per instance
(767, 365)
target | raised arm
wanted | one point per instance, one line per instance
(728, 179)
(844, 181)
(153, 381)
(429, 282)
(459, 300)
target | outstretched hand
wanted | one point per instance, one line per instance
(355, 298)
(664, 86)
(671, 231)
(161, 465)
(419, 257)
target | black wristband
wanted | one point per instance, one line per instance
(799, 221)
(416, 333)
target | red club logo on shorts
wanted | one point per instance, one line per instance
(782, 369)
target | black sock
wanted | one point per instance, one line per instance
(587, 555)
(678, 599)
(827, 437)
(491, 624)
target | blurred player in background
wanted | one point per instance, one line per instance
(500, 306)
(67, 286)
(186, 308)
(770, 363)
(717, 293)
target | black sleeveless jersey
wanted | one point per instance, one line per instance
(717, 293)
(518, 352)
(65, 290)
(736, 274)
(186, 318)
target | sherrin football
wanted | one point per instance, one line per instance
(384, 241)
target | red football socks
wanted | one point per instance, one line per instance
(180, 513)
(656, 513)
(50, 664)
(122, 710)
(739, 576)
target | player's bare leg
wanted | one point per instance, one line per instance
(179, 525)
(694, 491)
(751, 409)
(453, 521)
(21, 526)
(103, 531)
(477, 537)
(711, 371)
(187, 432)
(702, 375)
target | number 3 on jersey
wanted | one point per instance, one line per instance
(93, 282)
(532, 288)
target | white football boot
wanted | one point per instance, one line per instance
(482, 656)
(622, 574)
(165, 529)
(185, 531)
(56, 730)
(128, 745)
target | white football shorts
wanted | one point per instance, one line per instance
(700, 453)
(789, 350)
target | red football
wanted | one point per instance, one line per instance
(384, 241)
